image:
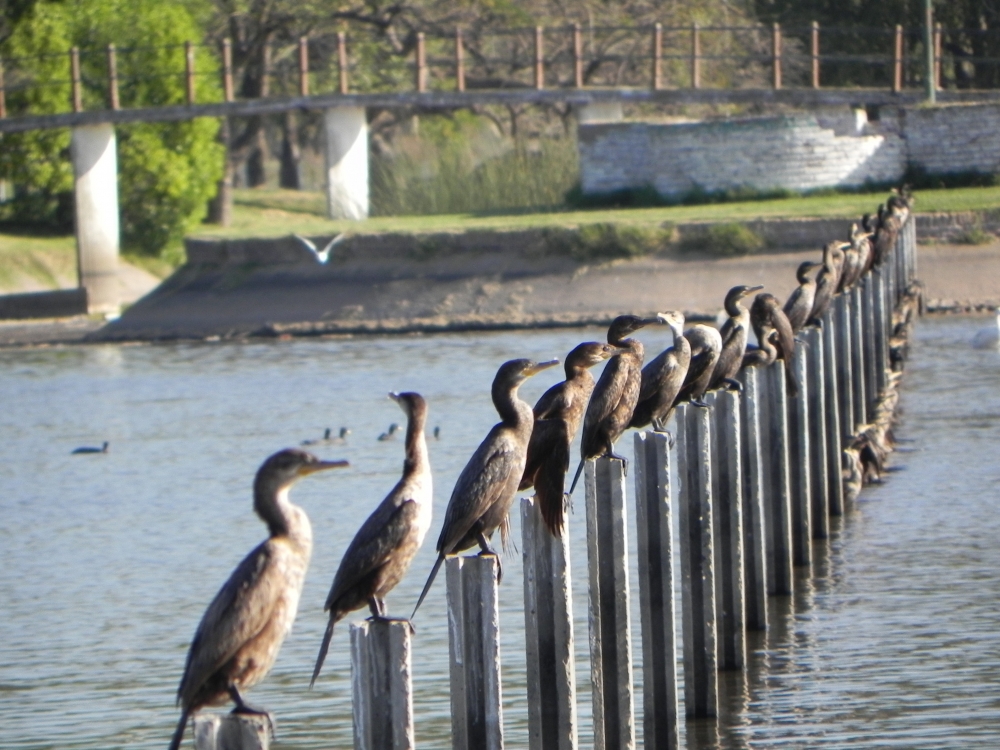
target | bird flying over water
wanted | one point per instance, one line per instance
(322, 256)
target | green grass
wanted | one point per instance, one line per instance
(274, 213)
(41, 261)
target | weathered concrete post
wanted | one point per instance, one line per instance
(777, 491)
(656, 589)
(798, 460)
(474, 645)
(95, 172)
(845, 368)
(701, 685)
(834, 431)
(548, 632)
(346, 162)
(880, 331)
(754, 553)
(231, 732)
(610, 622)
(869, 342)
(381, 678)
(819, 486)
(858, 359)
(727, 521)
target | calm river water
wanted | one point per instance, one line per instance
(108, 561)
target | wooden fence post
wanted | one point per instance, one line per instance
(474, 645)
(727, 528)
(657, 57)
(342, 68)
(656, 589)
(539, 58)
(695, 56)
(777, 491)
(610, 621)
(694, 505)
(459, 61)
(776, 55)
(74, 76)
(834, 430)
(3, 93)
(897, 61)
(819, 485)
(303, 66)
(548, 631)
(381, 678)
(421, 60)
(937, 56)
(577, 56)
(227, 70)
(754, 556)
(232, 732)
(189, 72)
(815, 54)
(113, 102)
(798, 459)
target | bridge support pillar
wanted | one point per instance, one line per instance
(346, 162)
(95, 171)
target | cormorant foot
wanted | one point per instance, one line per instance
(734, 384)
(485, 553)
(700, 403)
(622, 459)
(244, 709)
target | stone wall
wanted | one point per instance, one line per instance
(797, 152)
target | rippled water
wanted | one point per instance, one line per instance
(110, 560)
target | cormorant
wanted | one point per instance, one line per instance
(827, 279)
(615, 395)
(90, 449)
(734, 338)
(437, 432)
(327, 434)
(799, 304)
(486, 487)
(766, 313)
(243, 628)
(382, 550)
(765, 353)
(706, 343)
(662, 379)
(389, 434)
(557, 418)
(855, 258)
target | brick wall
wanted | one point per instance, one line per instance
(956, 138)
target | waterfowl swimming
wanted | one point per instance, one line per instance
(389, 434)
(91, 449)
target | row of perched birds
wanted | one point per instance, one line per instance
(238, 639)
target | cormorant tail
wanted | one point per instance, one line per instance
(175, 741)
(427, 586)
(323, 649)
(576, 477)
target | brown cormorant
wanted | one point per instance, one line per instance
(557, 418)
(706, 343)
(90, 449)
(486, 487)
(734, 338)
(855, 259)
(765, 353)
(799, 304)
(827, 279)
(389, 434)
(382, 550)
(766, 312)
(243, 628)
(615, 395)
(662, 379)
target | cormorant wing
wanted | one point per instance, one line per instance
(547, 436)
(482, 483)
(238, 612)
(371, 547)
(552, 402)
(656, 372)
(550, 478)
(608, 392)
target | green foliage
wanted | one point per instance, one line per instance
(722, 240)
(607, 241)
(167, 171)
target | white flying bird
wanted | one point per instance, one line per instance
(322, 256)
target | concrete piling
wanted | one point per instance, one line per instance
(798, 459)
(845, 368)
(381, 678)
(701, 688)
(754, 551)
(474, 645)
(819, 485)
(232, 732)
(548, 630)
(656, 589)
(858, 359)
(777, 483)
(346, 130)
(834, 431)
(610, 621)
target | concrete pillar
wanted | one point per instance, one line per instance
(95, 171)
(588, 114)
(346, 162)
(232, 732)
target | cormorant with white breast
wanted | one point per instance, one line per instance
(557, 418)
(799, 304)
(481, 500)
(239, 636)
(615, 395)
(734, 338)
(382, 550)
(706, 343)
(827, 280)
(662, 379)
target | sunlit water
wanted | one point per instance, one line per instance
(108, 561)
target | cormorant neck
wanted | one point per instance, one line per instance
(271, 503)
(510, 408)
(733, 307)
(678, 332)
(416, 444)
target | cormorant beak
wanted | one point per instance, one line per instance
(307, 469)
(539, 366)
(659, 320)
(755, 288)
(394, 396)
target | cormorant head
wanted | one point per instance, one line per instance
(589, 354)
(286, 467)
(674, 319)
(624, 325)
(412, 404)
(804, 268)
(739, 292)
(514, 372)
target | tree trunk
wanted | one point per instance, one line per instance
(291, 155)
(220, 208)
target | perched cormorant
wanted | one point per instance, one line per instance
(855, 259)
(985, 338)
(827, 279)
(799, 304)
(91, 449)
(243, 628)
(662, 379)
(766, 313)
(706, 343)
(486, 487)
(765, 353)
(734, 338)
(615, 395)
(557, 418)
(389, 434)
(383, 548)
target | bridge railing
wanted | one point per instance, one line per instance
(363, 61)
